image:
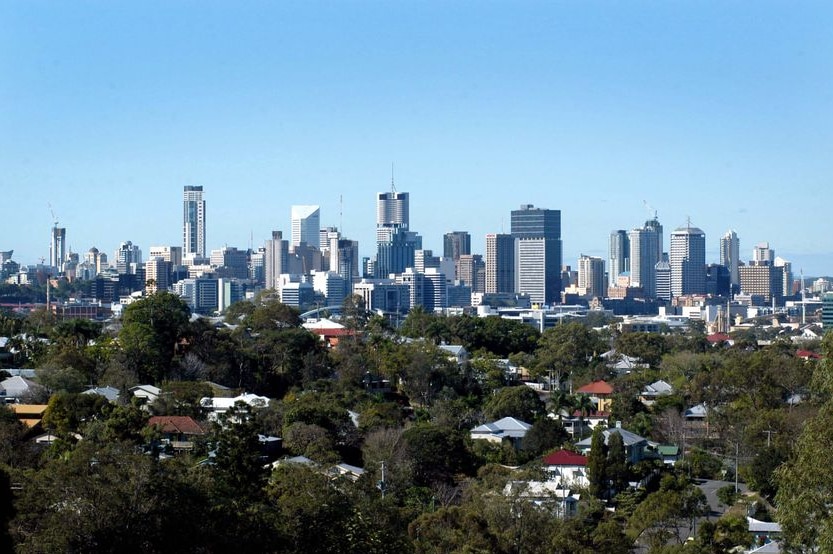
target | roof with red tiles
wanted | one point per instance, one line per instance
(596, 387)
(565, 458)
(177, 424)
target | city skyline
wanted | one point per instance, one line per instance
(606, 113)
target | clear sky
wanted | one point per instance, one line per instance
(717, 111)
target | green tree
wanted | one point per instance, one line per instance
(617, 471)
(544, 435)
(564, 348)
(597, 464)
(520, 402)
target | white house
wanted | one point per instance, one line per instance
(496, 431)
(569, 469)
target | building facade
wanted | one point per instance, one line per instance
(688, 261)
(538, 253)
(456, 244)
(591, 276)
(306, 226)
(193, 222)
(500, 263)
(730, 256)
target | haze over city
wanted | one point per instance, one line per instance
(605, 112)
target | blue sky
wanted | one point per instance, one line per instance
(717, 111)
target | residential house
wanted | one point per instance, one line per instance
(568, 468)
(218, 406)
(697, 421)
(635, 446)
(346, 471)
(505, 428)
(622, 363)
(651, 392)
(29, 414)
(670, 453)
(600, 392)
(545, 494)
(148, 393)
(178, 431)
(456, 353)
(17, 389)
(110, 393)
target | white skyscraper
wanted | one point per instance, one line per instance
(730, 256)
(762, 254)
(688, 261)
(57, 248)
(306, 226)
(275, 260)
(193, 223)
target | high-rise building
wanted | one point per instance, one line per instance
(688, 261)
(276, 260)
(662, 278)
(230, 262)
(396, 253)
(456, 244)
(763, 254)
(392, 209)
(57, 248)
(193, 226)
(500, 263)
(730, 256)
(645, 252)
(172, 254)
(591, 276)
(763, 280)
(306, 226)
(619, 254)
(656, 226)
(470, 270)
(157, 275)
(827, 311)
(537, 234)
(786, 275)
(128, 257)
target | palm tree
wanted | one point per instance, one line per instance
(585, 407)
(562, 400)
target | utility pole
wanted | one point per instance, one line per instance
(382, 485)
(737, 451)
(769, 433)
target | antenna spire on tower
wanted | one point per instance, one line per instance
(392, 186)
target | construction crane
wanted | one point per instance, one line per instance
(54, 217)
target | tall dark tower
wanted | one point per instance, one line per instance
(538, 253)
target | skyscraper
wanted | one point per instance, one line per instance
(275, 260)
(688, 261)
(591, 276)
(730, 256)
(537, 234)
(395, 244)
(763, 254)
(193, 222)
(57, 248)
(645, 252)
(456, 244)
(500, 263)
(306, 226)
(619, 254)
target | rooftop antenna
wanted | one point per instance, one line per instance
(341, 213)
(392, 186)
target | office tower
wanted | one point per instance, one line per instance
(193, 226)
(424, 259)
(435, 295)
(470, 270)
(455, 244)
(128, 258)
(591, 276)
(229, 291)
(537, 234)
(172, 254)
(157, 275)
(331, 286)
(655, 225)
(57, 248)
(688, 261)
(396, 253)
(230, 262)
(786, 275)
(392, 210)
(416, 284)
(827, 311)
(645, 252)
(662, 278)
(763, 280)
(306, 226)
(730, 256)
(275, 261)
(346, 261)
(500, 263)
(718, 280)
(619, 254)
(763, 254)
(257, 266)
(325, 237)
